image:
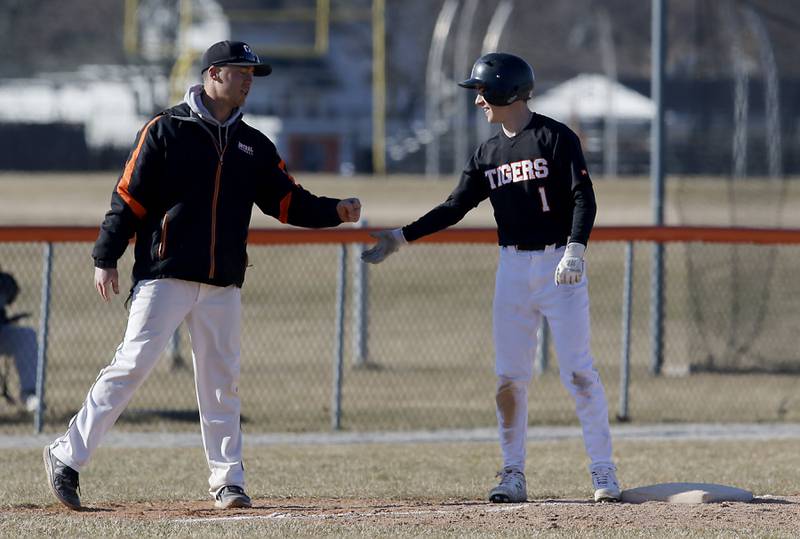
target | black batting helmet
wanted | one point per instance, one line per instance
(502, 78)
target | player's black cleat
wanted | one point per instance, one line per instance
(511, 489)
(63, 481)
(231, 496)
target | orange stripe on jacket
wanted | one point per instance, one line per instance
(124, 182)
(282, 166)
(287, 200)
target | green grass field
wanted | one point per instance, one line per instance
(82, 199)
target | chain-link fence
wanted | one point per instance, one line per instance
(422, 358)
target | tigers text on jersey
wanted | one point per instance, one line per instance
(537, 182)
(517, 172)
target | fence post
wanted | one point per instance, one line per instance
(41, 354)
(338, 353)
(657, 311)
(658, 31)
(360, 305)
(625, 364)
(177, 361)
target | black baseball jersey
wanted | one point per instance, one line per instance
(537, 182)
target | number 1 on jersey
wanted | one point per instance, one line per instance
(542, 194)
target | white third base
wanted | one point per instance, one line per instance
(686, 493)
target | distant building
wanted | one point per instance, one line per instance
(84, 120)
(612, 120)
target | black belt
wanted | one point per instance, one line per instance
(535, 246)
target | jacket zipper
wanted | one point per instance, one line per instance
(212, 267)
(162, 247)
(217, 179)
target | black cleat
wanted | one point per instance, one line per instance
(512, 487)
(63, 481)
(231, 496)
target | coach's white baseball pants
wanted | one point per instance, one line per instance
(213, 318)
(524, 292)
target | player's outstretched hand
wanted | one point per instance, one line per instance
(349, 210)
(389, 241)
(570, 269)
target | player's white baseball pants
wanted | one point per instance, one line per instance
(213, 318)
(524, 292)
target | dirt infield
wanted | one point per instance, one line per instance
(776, 516)
(408, 490)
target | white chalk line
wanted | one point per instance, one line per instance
(283, 515)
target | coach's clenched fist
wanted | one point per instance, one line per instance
(349, 210)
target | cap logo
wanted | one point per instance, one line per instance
(248, 54)
(234, 53)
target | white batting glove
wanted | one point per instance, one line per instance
(570, 269)
(389, 241)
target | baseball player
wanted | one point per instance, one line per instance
(535, 176)
(187, 192)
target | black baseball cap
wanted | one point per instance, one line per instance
(234, 53)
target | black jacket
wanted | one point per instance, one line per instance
(187, 193)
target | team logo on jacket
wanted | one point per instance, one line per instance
(246, 149)
(518, 171)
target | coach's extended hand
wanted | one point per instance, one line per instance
(389, 241)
